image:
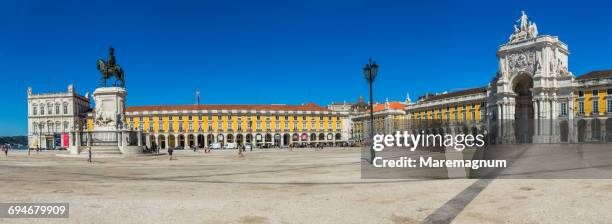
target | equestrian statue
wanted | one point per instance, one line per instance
(110, 68)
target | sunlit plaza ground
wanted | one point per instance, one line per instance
(280, 186)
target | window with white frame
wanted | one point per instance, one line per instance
(563, 109)
(580, 107)
(609, 106)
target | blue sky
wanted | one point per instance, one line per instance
(289, 52)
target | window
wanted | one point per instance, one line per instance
(65, 126)
(210, 126)
(239, 124)
(190, 118)
(42, 109)
(140, 125)
(57, 108)
(190, 126)
(594, 92)
(595, 106)
(580, 93)
(249, 124)
(564, 109)
(151, 124)
(160, 125)
(609, 91)
(581, 108)
(609, 106)
(65, 108)
(258, 125)
(49, 109)
(219, 125)
(180, 118)
(35, 109)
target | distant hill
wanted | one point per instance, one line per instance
(14, 140)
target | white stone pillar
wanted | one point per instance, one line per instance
(195, 141)
(139, 137)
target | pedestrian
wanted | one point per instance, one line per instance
(170, 152)
(6, 148)
(29, 149)
(89, 154)
(240, 152)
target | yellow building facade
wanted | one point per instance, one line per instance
(189, 126)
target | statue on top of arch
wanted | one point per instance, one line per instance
(524, 29)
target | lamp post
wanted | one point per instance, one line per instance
(370, 70)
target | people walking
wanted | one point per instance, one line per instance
(170, 150)
(89, 155)
(5, 148)
(240, 151)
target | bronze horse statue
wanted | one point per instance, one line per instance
(110, 68)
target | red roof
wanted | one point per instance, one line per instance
(392, 106)
(596, 75)
(260, 107)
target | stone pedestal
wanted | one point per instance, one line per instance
(109, 135)
(110, 108)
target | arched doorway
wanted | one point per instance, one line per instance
(595, 130)
(249, 138)
(321, 137)
(313, 137)
(268, 139)
(162, 141)
(230, 138)
(524, 113)
(171, 141)
(338, 137)
(609, 130)
(201, 141)
(181, 141)
(295, 138)
(286, 139)
(191, 141)
(239, 139)
(259, 139)
(581, 130)
(210, 138)
(564, 131)
(152, 139)
(277, 139)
